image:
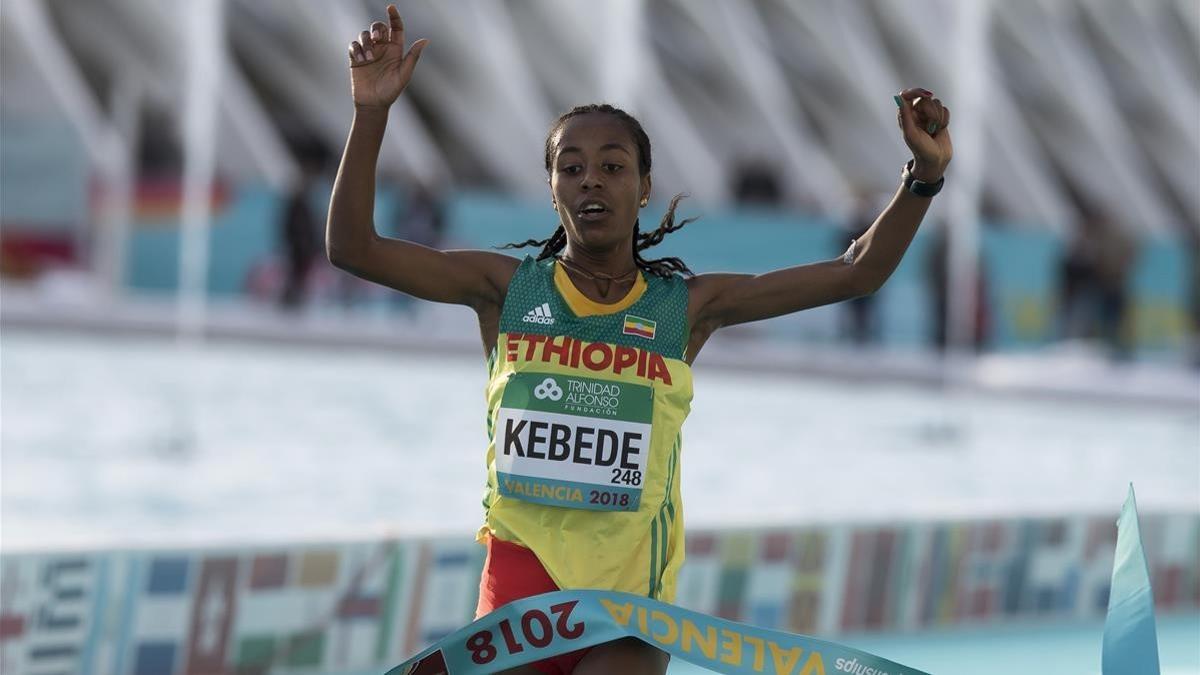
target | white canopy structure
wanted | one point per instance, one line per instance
(1063, 105)
(1084, 98)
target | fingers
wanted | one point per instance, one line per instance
(411, 58)
(905, 114)
(415, 52)
(919, 109)
(929, 114)
(396, 26)
(363, 50)
(364, 38)
(357, 56)
(380, 32)
(914, 93)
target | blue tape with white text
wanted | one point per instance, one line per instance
(543, 626)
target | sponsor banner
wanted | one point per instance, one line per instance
(446, 591)
(46, 615)
(543, 626)
(366, 606)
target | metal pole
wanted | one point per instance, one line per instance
(972, 51)
(107, 151)
(115, 217)
(203, 40)
(618, 68)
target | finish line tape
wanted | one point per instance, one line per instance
(542, 626)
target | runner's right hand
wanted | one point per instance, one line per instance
(379, 68)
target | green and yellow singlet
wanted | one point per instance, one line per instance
(585, 405)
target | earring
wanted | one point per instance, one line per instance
(554, 205)
(645, 201)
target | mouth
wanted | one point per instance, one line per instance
(592, 209)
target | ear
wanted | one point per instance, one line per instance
(647, 183)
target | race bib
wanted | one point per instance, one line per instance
(571, 441)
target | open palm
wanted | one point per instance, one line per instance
(379, 67)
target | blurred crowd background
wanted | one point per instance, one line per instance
(1070, 218)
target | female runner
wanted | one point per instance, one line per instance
(589, 344)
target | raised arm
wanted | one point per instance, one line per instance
(379, 72)
(718, 300)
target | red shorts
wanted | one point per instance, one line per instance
(512, 572)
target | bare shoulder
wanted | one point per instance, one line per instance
(702, 285)
(703, 289)
(486, 260)
(497, 268)
(476, 278)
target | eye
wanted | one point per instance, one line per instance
(570, 169)
(612, 168)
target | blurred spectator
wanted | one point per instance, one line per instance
(159, 152)
(422, 221)
(1193, 318)
(1095, 279)
(939, 280)
(300, 228)
(756, 184)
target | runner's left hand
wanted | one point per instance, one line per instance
(924, 119)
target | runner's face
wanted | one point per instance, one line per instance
(594, 181)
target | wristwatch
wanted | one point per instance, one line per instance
(920, 188)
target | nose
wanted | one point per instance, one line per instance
(591, 179)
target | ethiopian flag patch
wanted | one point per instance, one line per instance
(636, 325)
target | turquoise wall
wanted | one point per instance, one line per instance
(1020, 264)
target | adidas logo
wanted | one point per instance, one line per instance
(540, 314)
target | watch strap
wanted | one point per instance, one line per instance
(917, 187)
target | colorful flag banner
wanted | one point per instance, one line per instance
(1130, 637)
(543, 626)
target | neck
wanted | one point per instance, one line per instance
(614, 263)
(600, 275)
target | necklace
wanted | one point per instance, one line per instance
(605, 279)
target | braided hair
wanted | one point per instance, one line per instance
(551, 246)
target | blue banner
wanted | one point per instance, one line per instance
(543, 626)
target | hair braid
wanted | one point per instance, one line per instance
(663, 267)
(551, 245)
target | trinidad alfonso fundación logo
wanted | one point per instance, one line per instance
(588, 397)
(548, 389)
